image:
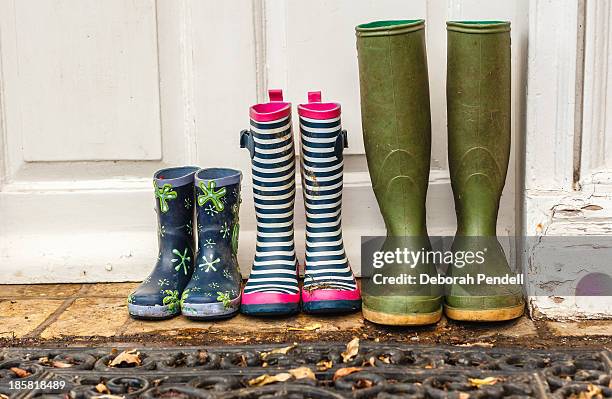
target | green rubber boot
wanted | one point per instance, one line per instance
(478, 101)
(397, 136)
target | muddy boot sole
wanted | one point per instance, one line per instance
(391, 319)
(485, 315)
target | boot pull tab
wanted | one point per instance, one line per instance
(275, 95)
(314, 96)
(246, 141)
(341, 144)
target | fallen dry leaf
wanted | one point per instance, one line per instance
(101, 388)
(486, 381)
(464, 395)
(202, 356)
(60, 365)
(127, 357)
(361, 384)
(372, 360)
(266, 379)
(310, 327)
(302, 372)
(282, 351)
(352, 348)
(158, 381)
(324, 365)
(345, 371)
(593, 392)
(480, 344)
(21, 373)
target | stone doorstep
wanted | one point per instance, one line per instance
(584, 328)
(58, 291)
(244, 324)
(88, 317)
(38, 291)
(55, 311)
(107, 317)
(109, 290)
(20, 317)
(523, 327)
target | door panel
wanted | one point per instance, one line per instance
(87, 78)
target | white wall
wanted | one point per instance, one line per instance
(95, 96)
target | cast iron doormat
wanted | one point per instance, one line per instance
(368, 370)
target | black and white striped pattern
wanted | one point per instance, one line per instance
(326, 263)
(274, 267)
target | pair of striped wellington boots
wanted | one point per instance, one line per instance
(329, 284)
(396, 121)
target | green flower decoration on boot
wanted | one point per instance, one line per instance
(184, 296)
(164, 194)
(209, 265)
(211, 195)
(225, 230)
(183, 260)
(224, 297)
(171, 300)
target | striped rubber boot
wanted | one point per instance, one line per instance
(329, 283)
(272, 288)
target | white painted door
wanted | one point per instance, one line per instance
(95, 96)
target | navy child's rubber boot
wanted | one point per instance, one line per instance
(214, 289)
(159, 295)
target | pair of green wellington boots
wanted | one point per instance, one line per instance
(397, 136)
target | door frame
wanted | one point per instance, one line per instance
(564, 194)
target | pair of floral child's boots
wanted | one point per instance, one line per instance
(207, 284)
